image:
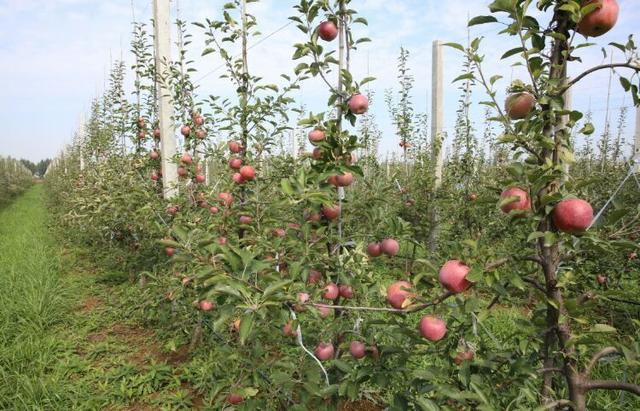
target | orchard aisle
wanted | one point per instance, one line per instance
(67, 339)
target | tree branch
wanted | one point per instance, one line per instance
(612, 385)
(534, 283)
(597, 356)
(533, 258)
(584, 74)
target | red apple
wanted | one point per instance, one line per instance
(519, 105)
(205, 305)
(346, 291)
(314, 277)
(324, 311)
(200, 178)
(245, 220)
(226, 198)
(473, 197)
(313, 217)
(399, 293)
(248, 172)
(279, 232)
(235, 163)
(333, 180)
(234, 146)
(344, 180)
(324, 351)
(463, 356)
(141, 122)
(186, 158)
(331, 291)
(213, 210)
(327, 30)
(600, 20)
(316, 135)
(198, 120)
(234, 399)
(374, 250)
(172, 210)
(237, 178)
(331, 212)
(141, 134)
(201, 134)
(154, 176)
(182, 171)
(222, 240)
(357, 349)
(185, 131)
(156, 133)
(452, 276)
(154, 155)
(522, 203)
(572, 215)
(432, 328)
(358, 104)
(389, 246)
(169, 251)
(317, 153)
(303, 297)
(288, 330)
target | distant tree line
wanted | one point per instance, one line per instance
(37, 168)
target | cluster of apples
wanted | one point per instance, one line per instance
(328, 31)
(325, 351)
(594, 24)
(452, 276)
(153, 154)
(198, 130)
(243, 172)
(388, 246)
(571, 215)
(186, 160)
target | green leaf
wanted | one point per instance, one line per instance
(468, 76)
(587, 129)
(602, 328)
(246, 325)
(426, 404)
(455, 46)
(286, 186)
(512, 52)
(170, 243)
(274, 287)
(535, 235)
(549, 238)
(481, 20)
(342, 366)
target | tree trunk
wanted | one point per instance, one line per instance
(558, 331)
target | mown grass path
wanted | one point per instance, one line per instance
(67, 338)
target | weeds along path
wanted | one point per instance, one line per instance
(67, 339)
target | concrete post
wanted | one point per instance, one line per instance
(162, 44)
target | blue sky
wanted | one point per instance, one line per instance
(54, 57)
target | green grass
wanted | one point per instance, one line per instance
(33, 300)
(68, 340)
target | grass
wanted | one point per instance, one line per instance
(67, 339)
